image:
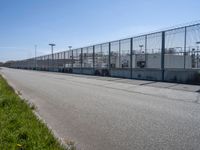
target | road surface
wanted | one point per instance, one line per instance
(113, 114)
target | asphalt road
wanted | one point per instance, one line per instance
(113, 114)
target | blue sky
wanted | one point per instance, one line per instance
(24, 23)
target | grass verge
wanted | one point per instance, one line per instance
(19, 127)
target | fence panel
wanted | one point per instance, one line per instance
(125, 51)
(68, 59)
(174, 49)
(98, 56)
(138, 52)
(87, 59)
(193, 46)
(77, 57)
(153, 50)
(115, 55)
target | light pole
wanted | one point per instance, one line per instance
(52, 45)
(70, 47)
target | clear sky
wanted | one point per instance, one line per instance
(24, 23)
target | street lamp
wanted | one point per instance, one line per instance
(70, 47)
(52, 45)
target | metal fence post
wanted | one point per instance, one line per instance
(72, 59)
(109, 56)
(52, 60)
(58, 61)
(48, 63)
(93, 57)
(145, 51)
(131, 58)
(163, 56)
(119, 54)
(185, 43)
(81, 60)
(64, 61)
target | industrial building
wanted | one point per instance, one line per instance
(171, 55)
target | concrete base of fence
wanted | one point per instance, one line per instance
(147, 74)
(182, 76)
(122, 73)
(77, 70)
(88, 71)
(170, 75)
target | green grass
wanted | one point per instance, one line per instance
(19, 127)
